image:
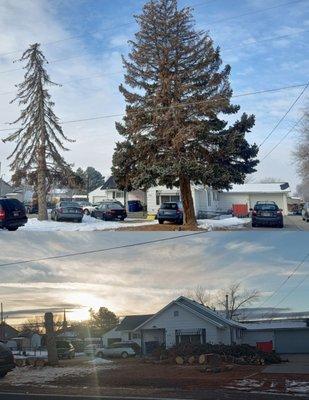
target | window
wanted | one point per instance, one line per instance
(176, 313)
(119, 194)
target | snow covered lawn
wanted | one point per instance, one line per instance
(36, 376)
(225, 223)
(92, 224)
(88, 224)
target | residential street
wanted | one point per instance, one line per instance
(206, 394)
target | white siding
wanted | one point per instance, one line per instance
(228, 199)
(112, 334)
(186, 321)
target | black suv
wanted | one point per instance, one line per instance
(6, 360)
(12, 214)
(267, 213)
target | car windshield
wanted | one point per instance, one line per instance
(84, 203)
(69, 204)
(114, 206)
(169, 206)
(266, 207)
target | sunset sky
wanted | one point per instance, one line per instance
(142, 279)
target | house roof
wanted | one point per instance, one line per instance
(199, 310)
(110, 183)
(259, 326)
(9, 331)
(130, 322)
(280, 187)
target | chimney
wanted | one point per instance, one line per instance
(227, 306)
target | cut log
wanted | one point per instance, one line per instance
(40, 362)
(191, 360)
(179, 360)
(202, 359)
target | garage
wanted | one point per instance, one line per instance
(249, 194)
(292, 341)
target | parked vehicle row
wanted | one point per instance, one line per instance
(67, 211)
(115, 350)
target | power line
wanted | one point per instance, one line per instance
(176, 105)
(132, 23)
(298, 266)
(284, 137)
(125, 246)
(285, 114)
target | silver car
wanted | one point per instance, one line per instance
(116, 350)
(67, 211)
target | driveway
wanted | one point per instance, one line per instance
(291, 223)
(298, 364)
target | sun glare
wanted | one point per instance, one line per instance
(85, 301)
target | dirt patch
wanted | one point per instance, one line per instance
(161, 228)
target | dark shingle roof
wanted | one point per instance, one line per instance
(109, 184)
(130, 322)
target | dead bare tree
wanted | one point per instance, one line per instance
(200, 294)
(234, 297)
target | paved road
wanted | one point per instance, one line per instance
(206, 395)
(291, 223)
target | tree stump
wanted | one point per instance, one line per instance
(179, 360)
(202, 359)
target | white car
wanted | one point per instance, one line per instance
(117, 350)
(87, 207)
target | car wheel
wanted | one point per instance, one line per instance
(86, 212)
(100, 354)
(280, 226)
(254, 225)
(124, 354)
(2, 374)
(160, 221)
(12, 228)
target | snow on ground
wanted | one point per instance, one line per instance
(99, 361)
(35, 376)
(224, 223)
(92, 224)
(88, 224)
(297, 387)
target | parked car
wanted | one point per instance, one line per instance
(170, 211)
(267, 213)
(12, 214)
(65, 349)
(91, 349)
(109, 211)
(7, 363)
(67, 211)
(305, 212)
(117, 350)
(87, 206)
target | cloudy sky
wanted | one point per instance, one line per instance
(142, 279)
(84, 40)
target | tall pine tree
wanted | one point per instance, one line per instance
(40, 136)
(176, 92)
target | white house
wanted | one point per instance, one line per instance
(182, 320)
(110, 191)
(205, 199)
(250, 193)
(125, 331)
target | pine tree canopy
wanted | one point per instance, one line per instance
(177, 93)
(39, 139)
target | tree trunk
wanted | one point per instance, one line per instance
(187, 201)
(41, 185)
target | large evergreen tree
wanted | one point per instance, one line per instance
(177, 93)
(39, 137)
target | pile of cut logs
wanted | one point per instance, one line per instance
(31, 361)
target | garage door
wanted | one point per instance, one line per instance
(292, 341)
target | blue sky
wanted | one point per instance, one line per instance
(103, 28)
(142, 279)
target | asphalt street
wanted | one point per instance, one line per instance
(205, 395)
